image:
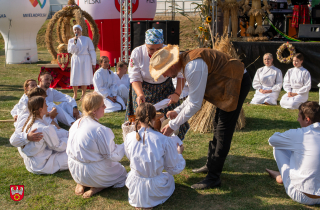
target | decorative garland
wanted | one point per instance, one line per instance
(280, 50)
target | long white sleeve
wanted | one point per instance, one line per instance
(23, 103)
(306, 83)
(256, 83)
(134, 70)
(106, 145)
(286, 82)
(73, 48)
(19, 138)
(92, 52)
(278, 85)
(52, 140)
(99, 86)
(285, 140)
(174, 163)
(60, 97)
(196, 74)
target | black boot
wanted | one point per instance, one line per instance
(212, 179)
(203, 169)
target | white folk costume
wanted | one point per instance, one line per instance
(49, 154)
(105, 83)
(93, 155)
(148, 185)
(19, 107)
(296, 80)
(267, 78)
(185, 89)
(65, 108)
(297, 153)
(123, 86)
(83, 57)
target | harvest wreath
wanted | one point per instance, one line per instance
(291, 50)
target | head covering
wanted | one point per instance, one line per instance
(162, 60)
(154, 36)
(77, 26)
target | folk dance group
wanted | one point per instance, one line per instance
(88, 149)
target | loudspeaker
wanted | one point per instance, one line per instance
(171, 33)
(309, 31)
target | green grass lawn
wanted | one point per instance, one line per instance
(245, 184)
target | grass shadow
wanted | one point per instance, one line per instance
(5, 142)
(258, 124)
(12, 88)
(8, 98)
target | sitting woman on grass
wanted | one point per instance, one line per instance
(149, 153)
(49, 154)
(93, 155)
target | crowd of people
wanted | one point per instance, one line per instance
(88, 149)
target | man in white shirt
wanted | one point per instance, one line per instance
(123, 80)
(215, 77)
(297, 153)
(67, 110)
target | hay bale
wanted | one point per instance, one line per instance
(202, 121)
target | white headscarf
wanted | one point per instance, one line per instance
(77, 26)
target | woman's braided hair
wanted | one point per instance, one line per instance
(145, 113)
(34, 104)
(90, 103)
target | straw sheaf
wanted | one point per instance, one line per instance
(256, 12)
(158, 67)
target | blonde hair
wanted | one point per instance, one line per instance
(26, 85)
(90, 103)
(145, 113)
(269, 55)
(101, 59)
(34, 104)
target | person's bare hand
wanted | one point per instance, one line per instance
(172, 115)
(15, 118)
(174, 98)
(294, 94)
(261, 91)
(180, 148)
(290, 94)
(55, 124)
(268, 91)
(53, 113)
(33, 136)
(76, 113)
(141, 99)
(111, 99)
(166, 130)
(114, 98)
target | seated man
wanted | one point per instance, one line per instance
(297, 153)
(123, 80)
(67, 110)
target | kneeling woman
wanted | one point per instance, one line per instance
(93, 155)
(49, 154)
(149, 153)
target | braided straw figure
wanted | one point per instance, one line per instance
(256, 13)
(230, 7)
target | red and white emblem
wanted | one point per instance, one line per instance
(16, 192)
(63, 60)
(135, 5)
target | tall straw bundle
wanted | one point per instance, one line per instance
(202, 121)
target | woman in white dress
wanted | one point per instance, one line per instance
(297, 83)
(267, 82)
(49, 154)
(150, 152)
(83, 61)
(105, 83)
(93, 155)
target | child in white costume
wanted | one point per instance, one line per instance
(48, 155)
(267, 82)
(122, 80)
(297, 153)
(297, 83)
(23, 102)
(149, 153)
(93, 155)
(105, 83)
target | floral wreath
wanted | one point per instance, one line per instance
(280, 50)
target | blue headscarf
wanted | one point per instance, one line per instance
(154, 36)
